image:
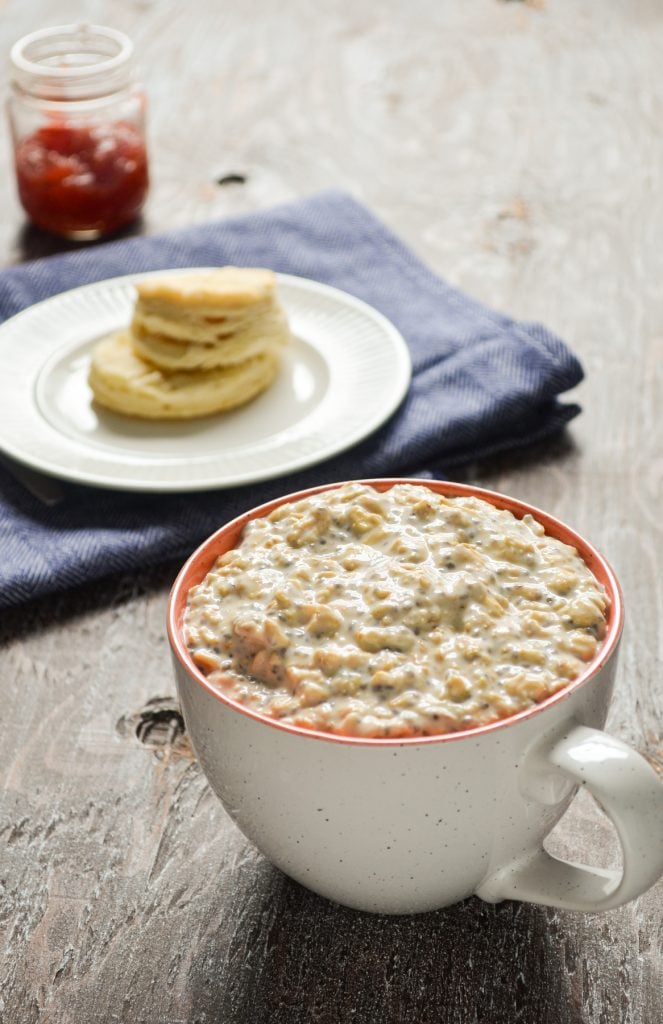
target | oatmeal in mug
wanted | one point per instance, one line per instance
(394, 614)
(364, 672)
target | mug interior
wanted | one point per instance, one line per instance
(227, 537)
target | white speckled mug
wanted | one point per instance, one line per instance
(407, 825)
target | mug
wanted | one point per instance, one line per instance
(412, 824)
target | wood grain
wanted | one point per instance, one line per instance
(517, 148)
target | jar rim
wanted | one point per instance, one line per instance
(109, 67)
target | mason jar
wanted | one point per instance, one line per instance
(77, 117)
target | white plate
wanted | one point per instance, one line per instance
(346, 371)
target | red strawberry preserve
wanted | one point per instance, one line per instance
(75, 179)
(78, 124)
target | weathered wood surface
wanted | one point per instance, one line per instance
(517, 147)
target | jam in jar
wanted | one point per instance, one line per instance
(78, 122)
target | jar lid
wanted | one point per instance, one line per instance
(71, 62)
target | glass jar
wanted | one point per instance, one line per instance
(78, 125)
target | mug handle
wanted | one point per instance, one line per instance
(630, 793)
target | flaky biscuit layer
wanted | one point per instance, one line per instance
(169, 353)
(218, 288)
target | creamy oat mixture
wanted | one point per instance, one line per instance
(395, 614)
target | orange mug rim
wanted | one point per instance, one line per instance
(203, 558)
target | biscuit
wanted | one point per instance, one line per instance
(124, 382)
(203, 319)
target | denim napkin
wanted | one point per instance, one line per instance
(482, 384)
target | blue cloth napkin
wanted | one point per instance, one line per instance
(482, 384)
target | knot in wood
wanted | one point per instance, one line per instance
(159, 726)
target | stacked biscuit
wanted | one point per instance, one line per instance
(200, 342)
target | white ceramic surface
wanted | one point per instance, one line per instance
(401, 826)
(345, 373)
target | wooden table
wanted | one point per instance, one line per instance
(517, 148)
